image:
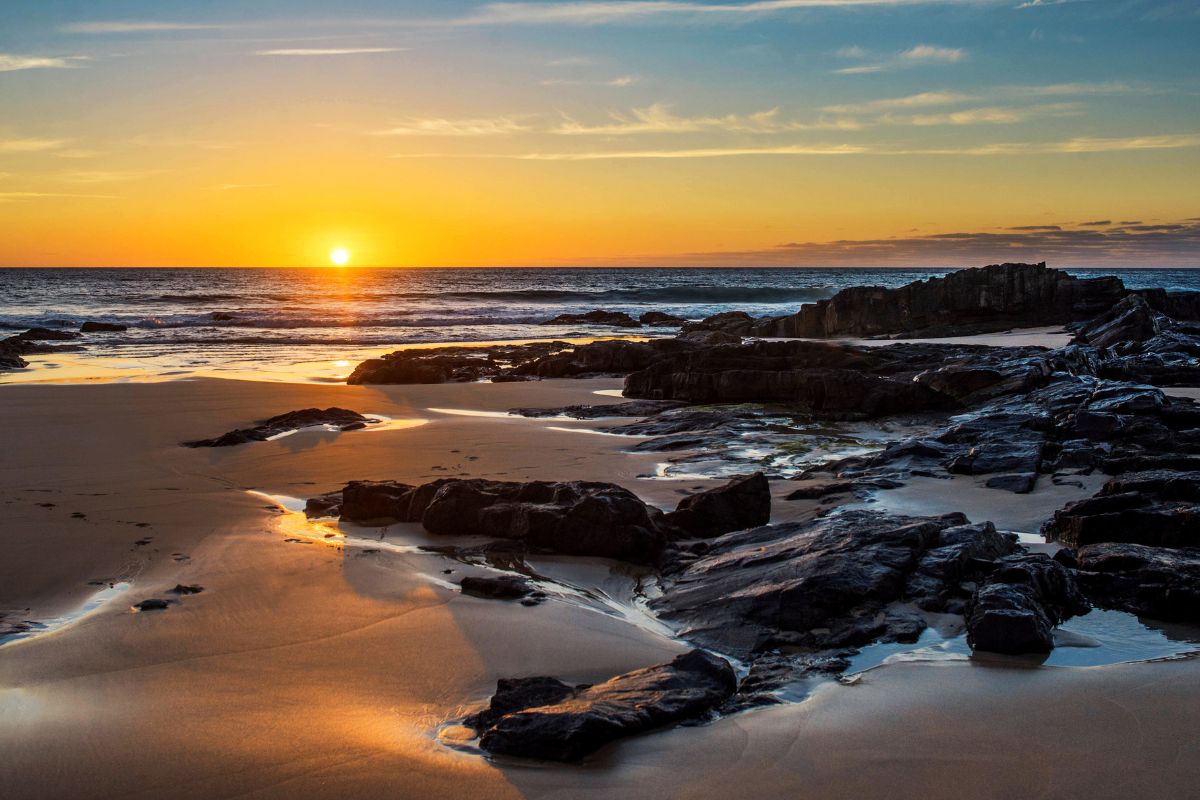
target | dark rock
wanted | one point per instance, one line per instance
(102, 327)
(969, 301)
(633, 408)
(1025, 596)
(579, 724)
(501, 587)
(10, 356)
(1158, 582)
(740, 504)
(660, 318)
(220, 316)
(1130, 320)
(735, 322)
(152, 604)
(617, 319)
(709, 338)
(187, 589)
(572, 518)
(44, 335)
(325, 505)
(291, 421)
(1158, 508)
(942, 578)
(451, 364)
(820, 490)
(815, 585)
(518, 694)
(376, 501)
(1020, 483)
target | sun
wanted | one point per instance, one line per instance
(339, 256)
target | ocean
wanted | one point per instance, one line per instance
(285, 323)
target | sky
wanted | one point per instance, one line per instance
(626, 133)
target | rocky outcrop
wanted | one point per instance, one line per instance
(1160, 508)
(102, 327)
(816, 585)
(738, 323)
(1129, 321)
(449, 364)
(546, 719)
(10, 356)
(661, 319)
(339, 418)
(501, 587)
(740, 504)
(969, 301)
(617, 319)
(1024, 598)
(44, 335)
(633, 408)
(1158, 582)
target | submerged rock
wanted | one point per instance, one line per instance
(565, 724)
(618, 319)
(740, 504)
(342, 418)
(660, 318)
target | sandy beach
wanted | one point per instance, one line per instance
(313, 668)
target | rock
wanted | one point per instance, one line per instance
(1025, 596)
(608, 357)
(969, 301)
(451, 364)
(944, 575)
(187, 589)
(660, 319)
(815, 585)
(1158, 582)
(1020, 483)
(582, 722)
(740, 504)
(633, 408)
(819, 490)
(617, 319)
(10, 357)
(102, 327)
(325, 505)
(501, 587)
(734, 322)
(1130, 320)
(709, 338)
(220, 316)
(45, 335)
(152, 604)
(518, 694)
(293, 420)
(1159, 508)
(572, 518)
(368, 502)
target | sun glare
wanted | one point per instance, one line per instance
(339, 256)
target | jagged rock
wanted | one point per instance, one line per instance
(325, 505)
(518, 694)
(152, 604)
(660, 318)
(1019, 483)
(451, 364)
(374, 501)
(10, 357)
(709, 338)
(342, 418)
(944, 577)
(1025, 596)
(102, 327)
(617, 319)
(1131, 320)
(740, 504)
(44, 335)
(734, 322)
(609, 357)
(1158, 582)
(815, 585)
(819, 490)
(969, 301)
(587, 719)
(1159, 508)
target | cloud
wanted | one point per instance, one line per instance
(621, 82)
(914, 56)
(8, 197)
(630, 11)
(922, 100)
(484, 126)
(659, 118)
(1055, 89)
(12, 63)
(1098, 223)
(137, 26)
(1173, 244)
(101, 176)
(1077, 145)
(990, 115)
(928, 52)
(30, 145)
(332, 51)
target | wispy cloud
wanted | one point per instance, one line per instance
(439, 126)
(1170, 244)
(30, 145)
(8, 197)
(621, 81)
(1076, 145)
(330, 51)
(917, 55)
(138, 26)
(10, 62)
(922, 100)
(1000, 115)
(659, 118)
(102, 176)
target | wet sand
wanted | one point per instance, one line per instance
(312, 669)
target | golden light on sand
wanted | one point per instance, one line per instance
(339, 256)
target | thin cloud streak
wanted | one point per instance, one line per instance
(30, 145)
(13, 63)
(138, 26)
(330, 51)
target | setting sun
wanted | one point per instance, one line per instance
(340, 256)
